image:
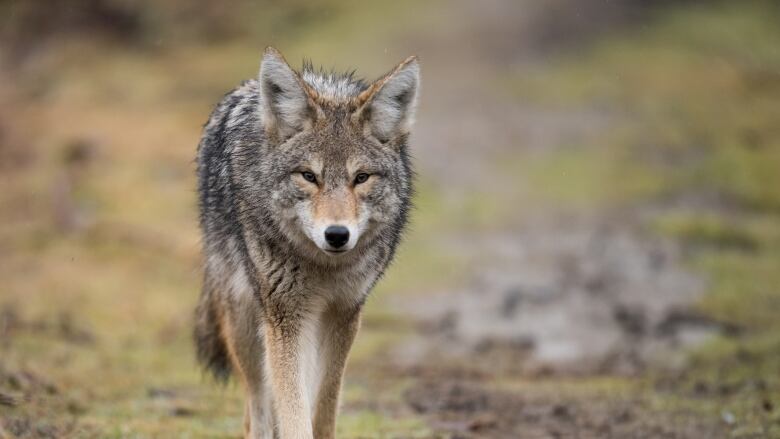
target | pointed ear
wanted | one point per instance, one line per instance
(387, 107)
(285, 103)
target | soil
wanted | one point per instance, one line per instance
(574, 299)
(459, 409)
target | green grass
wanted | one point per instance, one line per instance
(693, 101)
(370, 424)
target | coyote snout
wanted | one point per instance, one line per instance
(334, 219)
(336, 237)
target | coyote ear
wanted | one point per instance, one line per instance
(284, 100)
(387, 107)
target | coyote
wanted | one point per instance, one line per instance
(304, 184)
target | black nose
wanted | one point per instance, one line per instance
(337, 236)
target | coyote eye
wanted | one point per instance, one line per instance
(309, 176)
(361, 178)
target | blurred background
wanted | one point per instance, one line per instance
(595, 250)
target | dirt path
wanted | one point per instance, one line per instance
(463, 409)
(586, 289)
(468, 118)
(575, 298)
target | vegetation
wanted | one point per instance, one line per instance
(99, 248)
(695, 98)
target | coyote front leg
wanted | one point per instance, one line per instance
(339, 328)
(246, 350)
(283, 341)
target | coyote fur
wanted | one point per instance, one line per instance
(304, 184)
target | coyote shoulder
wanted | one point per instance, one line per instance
(304, 186)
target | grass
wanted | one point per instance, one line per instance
(696, 98)
(99, 314)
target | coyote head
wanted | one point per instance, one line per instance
(335, 161)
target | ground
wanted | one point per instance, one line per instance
(594, 250)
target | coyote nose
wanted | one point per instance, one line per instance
(337, 236)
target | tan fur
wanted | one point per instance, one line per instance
(336, 340)
(245, 349)
(335, 206)
(282, 295)
(282, 344)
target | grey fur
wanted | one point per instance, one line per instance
(265, 266)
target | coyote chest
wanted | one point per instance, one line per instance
(342, 286)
